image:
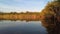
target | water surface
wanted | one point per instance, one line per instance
(21, 27)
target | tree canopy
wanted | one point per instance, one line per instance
(51, 14)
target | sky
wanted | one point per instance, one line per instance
(22, 5)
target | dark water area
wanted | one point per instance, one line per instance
(21, 27)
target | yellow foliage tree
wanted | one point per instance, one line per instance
(51, 14)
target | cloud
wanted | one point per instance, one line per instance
(22, 5)
(17, 0)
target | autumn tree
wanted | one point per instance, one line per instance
(51, 14)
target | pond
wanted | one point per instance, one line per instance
(21, 27)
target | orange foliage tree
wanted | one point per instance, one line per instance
(51, 17)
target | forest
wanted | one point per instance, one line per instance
(49, 16)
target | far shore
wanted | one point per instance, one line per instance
(28, 16)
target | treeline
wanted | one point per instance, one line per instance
(19, 12)
(28, 16)
(50, 17)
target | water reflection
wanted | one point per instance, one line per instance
(21, 27)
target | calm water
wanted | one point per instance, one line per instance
(21, 27)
